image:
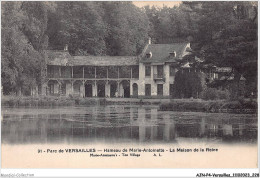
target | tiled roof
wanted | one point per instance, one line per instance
(55, 57)
(63, 58)
(161, 52)
(105, 60)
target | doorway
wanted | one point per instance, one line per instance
(127, 91)
(135, 90)
(88, 90)
(160, 89)
(101, 90)
(113, 89)
(126, 87)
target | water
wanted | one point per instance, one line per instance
(124, 124)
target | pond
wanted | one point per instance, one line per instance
(124, 124)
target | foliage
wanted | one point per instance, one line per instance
(213, 94)
(227, 36)
(22, 40)
(210, 106)
(98, 28)
(221, 33)
(188, 84)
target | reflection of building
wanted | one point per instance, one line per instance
(122, 123)
(150, 74)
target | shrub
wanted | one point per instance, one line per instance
(213, 94)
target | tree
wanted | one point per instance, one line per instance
(188, 84)
(227, 36)
(127, 28)
(22, 40)
(80, 26)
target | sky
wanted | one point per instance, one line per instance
(156, 3)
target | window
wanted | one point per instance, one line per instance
(172, 71)
(173, 54)
(160, 71)
(135, 71)
(147, 89)
(63, 88)
(147, 71)
(160, 89)
(149, 55)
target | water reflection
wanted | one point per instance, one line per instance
(123, 124)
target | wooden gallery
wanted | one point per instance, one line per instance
(150, 75)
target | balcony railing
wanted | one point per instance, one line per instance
(159, 77)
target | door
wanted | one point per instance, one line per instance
(113, 89)
(135, 90)
(88, 90)
(101, 90)
(127, 92)
(160, 89)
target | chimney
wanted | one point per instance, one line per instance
(66, 47)
(150, 40)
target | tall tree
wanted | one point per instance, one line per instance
(80, 26)
(22, 40)
(127, 28)
(227, 36)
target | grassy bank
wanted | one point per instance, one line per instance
(51, 101)
(12, 101)
(241, 106)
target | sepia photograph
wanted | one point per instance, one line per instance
(121, 84)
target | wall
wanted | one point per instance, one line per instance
(141, 81)
(150, 80)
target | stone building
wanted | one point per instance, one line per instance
(149, 75)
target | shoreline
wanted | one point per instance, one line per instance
(185, 105)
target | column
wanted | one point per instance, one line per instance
(81, 91)
(84, 89)
(94, 89)
(131, 73)
(71, 71)
(95, 72)
(131, 88)
(107, 72)
(107, 89)
(72, 87)
(118, 89)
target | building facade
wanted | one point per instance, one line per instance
(149, 75)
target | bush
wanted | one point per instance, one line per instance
(213, 94)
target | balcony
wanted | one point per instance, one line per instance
(159, 77)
